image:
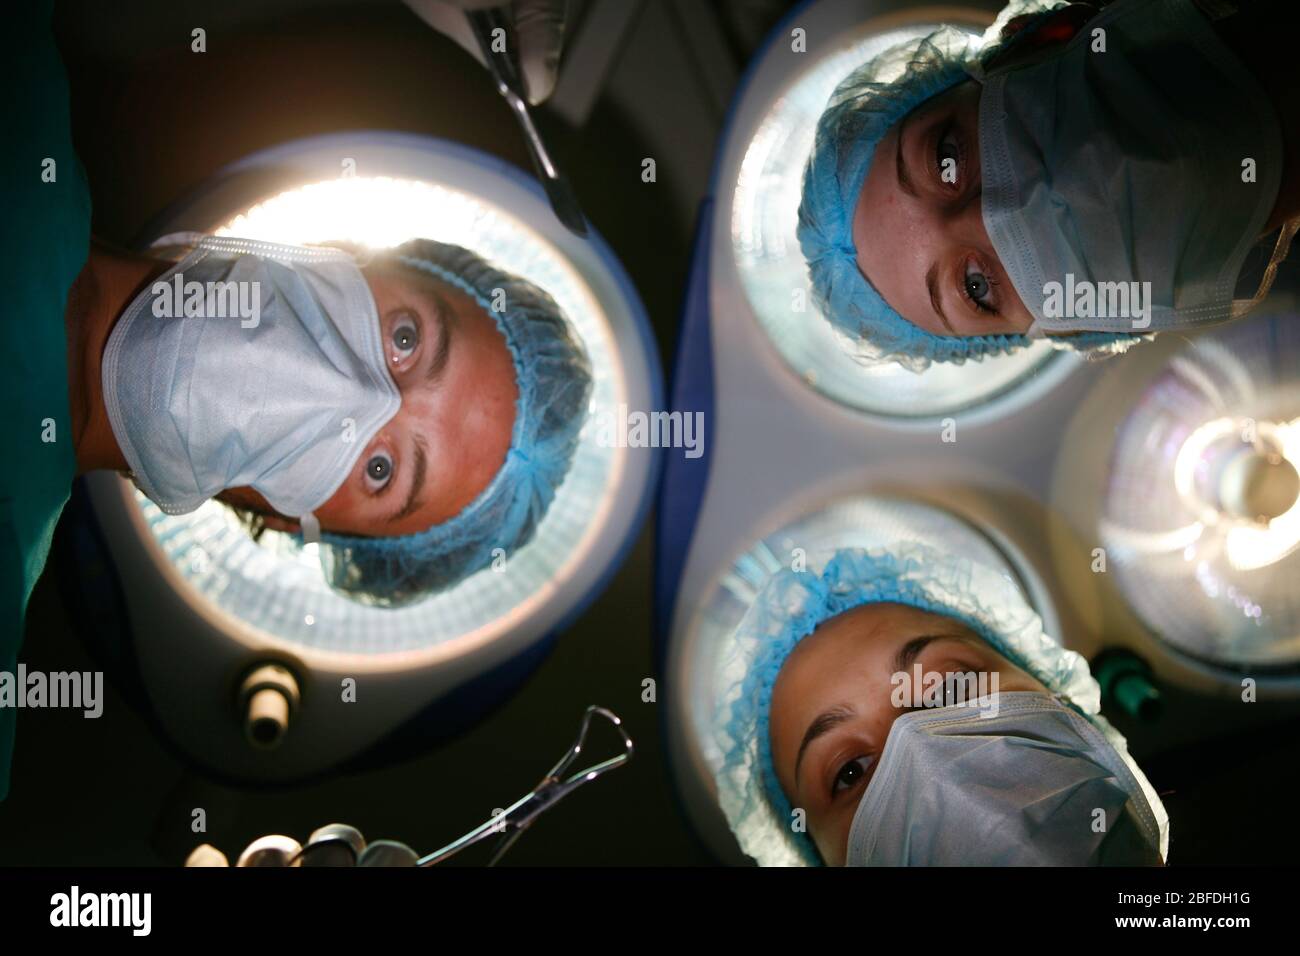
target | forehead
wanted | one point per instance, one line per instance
(893, 236)
(467, 415)
(866, 632)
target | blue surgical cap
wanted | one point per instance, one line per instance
(792, 604)
(553, 376)
(863, 108)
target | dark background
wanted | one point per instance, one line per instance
(152, 121)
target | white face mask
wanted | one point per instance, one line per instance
(1113, 184)
(1036, 785)
(278, 381)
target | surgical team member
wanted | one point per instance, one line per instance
(46, 239)
(415, 411)
(825, 761)
(1097, 173)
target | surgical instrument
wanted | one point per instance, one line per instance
(505, 73)
(553, 787)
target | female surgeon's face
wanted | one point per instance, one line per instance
(832, 710)
(920, 234)
(450, 436)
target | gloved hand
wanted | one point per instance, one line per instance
(537, 27)
(334, 845)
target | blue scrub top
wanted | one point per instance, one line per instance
(45, 243)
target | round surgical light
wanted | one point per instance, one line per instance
(1202, 513)
(774, 275)
(275, 586)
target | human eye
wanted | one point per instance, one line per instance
(403, 338)
(378, 471)
(949, 156)
(963, 669)
(977, 286)
(851, 773)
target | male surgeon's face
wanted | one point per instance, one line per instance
(831, 704)
(920, 238)
(451, 434)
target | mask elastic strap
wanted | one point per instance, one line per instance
(310, 528)
(1241, 306)
(186, 237)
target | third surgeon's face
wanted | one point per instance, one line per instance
(451, 434)
(920, 238)
(831, 709)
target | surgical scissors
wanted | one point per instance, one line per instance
(553, 787)
(505, 73)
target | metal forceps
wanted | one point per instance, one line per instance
(505, 73)
(516, 818)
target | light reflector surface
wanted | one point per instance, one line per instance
(276, 586)
(1201, 519)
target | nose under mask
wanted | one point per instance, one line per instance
(249, 364)
(1123, 187)
(1035, 785)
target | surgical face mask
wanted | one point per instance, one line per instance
(249, 363)
(1114, 184)
(1036, 785)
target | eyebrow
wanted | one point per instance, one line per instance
(413, 502)
(932, 286)
(442, 348)
(900, 168)
(909, 652)
(822, 724)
